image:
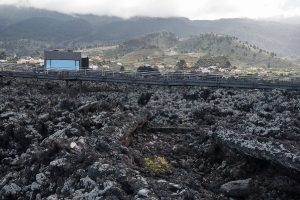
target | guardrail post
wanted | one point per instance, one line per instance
(67, 86)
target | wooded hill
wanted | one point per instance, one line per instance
(74, 30)
(201, 51)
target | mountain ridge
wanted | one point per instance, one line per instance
(202, 50)
(273, 36)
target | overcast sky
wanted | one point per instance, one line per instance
(192, 9)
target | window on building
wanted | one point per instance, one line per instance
(62, 64)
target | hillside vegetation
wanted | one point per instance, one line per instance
(14, 14)
(29, 23)
(239, 53)
(43, 28)
(204, 50)
(159, 40)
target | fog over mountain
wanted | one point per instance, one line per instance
(192, 9)
(289, 20)
(73, 29)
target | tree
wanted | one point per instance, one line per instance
(3, 55)
(122, 68)
(272, 54)
(155, 67)
(181, 64)
(228, 63)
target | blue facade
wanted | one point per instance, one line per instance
(62, 64)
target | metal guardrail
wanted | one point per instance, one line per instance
(156, 78)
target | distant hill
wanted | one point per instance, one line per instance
(274, 36)
(97, 21)
(68, 30)
(27, 23)
(17, 14)
(122, 30)
(29, 28)
(159, 40)
(4, 22)
(43, 28)
(202, 50)
(288, 20)
(13, 14)
(210, 47)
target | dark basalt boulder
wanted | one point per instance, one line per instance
(67, 105)
(238, 188)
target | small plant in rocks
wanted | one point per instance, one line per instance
(157, 166)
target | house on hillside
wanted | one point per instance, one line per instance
(93, 67)
(236, 71)
(31, 61)
(160, 65)
(23, 61)
(40, 62)
(205, 70)
(213, 67)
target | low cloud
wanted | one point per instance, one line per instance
(193, 9)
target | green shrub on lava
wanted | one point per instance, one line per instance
(157, 166)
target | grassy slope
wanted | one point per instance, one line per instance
(164, 47)
(242, 54)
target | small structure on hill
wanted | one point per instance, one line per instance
(146, 68)
(148, 71)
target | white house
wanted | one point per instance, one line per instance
(213, 67)
(93, 67)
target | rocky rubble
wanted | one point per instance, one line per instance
(219, 143)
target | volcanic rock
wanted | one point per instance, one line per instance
(219, 143)
(238, 188)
